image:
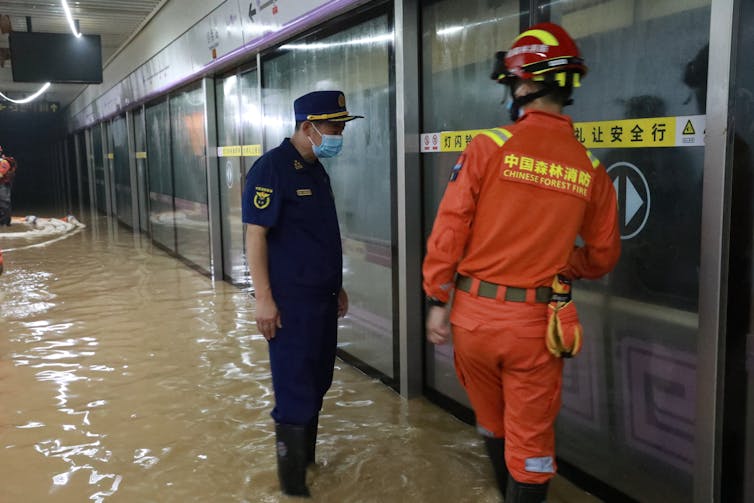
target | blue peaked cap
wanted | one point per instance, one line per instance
(323, 106)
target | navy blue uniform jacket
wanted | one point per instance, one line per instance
(294, 200)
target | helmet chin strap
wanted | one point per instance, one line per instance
(520, 101)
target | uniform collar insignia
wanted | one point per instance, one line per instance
(297, 164)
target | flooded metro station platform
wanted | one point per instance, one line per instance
(125, 375)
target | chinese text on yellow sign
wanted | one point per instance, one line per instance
(683, 131)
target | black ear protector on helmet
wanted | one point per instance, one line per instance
(499, 70)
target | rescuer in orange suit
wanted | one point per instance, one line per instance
(503, 244)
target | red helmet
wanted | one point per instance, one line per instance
(544, 52)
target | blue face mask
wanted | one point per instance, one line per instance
(330, 146)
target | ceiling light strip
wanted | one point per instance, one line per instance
(69, 16)
(29, 98)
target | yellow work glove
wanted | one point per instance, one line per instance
(564, 332)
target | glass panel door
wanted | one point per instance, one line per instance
(738, 428)
(239, 136)
(122, 167)
(100, 188)
(83, 158)
(160, 177)
(227, 92)
(629, 398)
(140, 139)
(109, 168)
(459, 40)
(356, 61)
(251, 133)
(190, 176)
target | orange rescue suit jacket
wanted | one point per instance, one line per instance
(514, 206)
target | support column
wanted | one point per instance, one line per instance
(409, 201)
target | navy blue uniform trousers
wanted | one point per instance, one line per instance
(302, 356)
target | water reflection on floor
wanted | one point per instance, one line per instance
(127, 376)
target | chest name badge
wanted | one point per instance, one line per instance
(304, 192)
(262, 197)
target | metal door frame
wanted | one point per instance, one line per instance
(713, 277)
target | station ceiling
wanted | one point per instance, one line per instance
(115, 21)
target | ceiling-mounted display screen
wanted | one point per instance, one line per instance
(56, 57)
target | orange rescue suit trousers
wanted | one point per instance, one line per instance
(513, 382)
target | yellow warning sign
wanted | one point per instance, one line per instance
(252, 150)
(457, 141)
(111, 156)
(141, 155)
(683, 131)
(229, 151)
(239, 151)
(627, 133)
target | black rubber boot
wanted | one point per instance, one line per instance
(518, 492)
(292, 450)
(311, 440)
(496, 452)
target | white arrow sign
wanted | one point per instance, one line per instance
(633, 201)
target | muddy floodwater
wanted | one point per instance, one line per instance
(127, 376)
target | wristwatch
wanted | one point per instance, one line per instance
(433, 301)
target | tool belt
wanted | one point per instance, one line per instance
(512, 294)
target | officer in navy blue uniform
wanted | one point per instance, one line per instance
(295, 259)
